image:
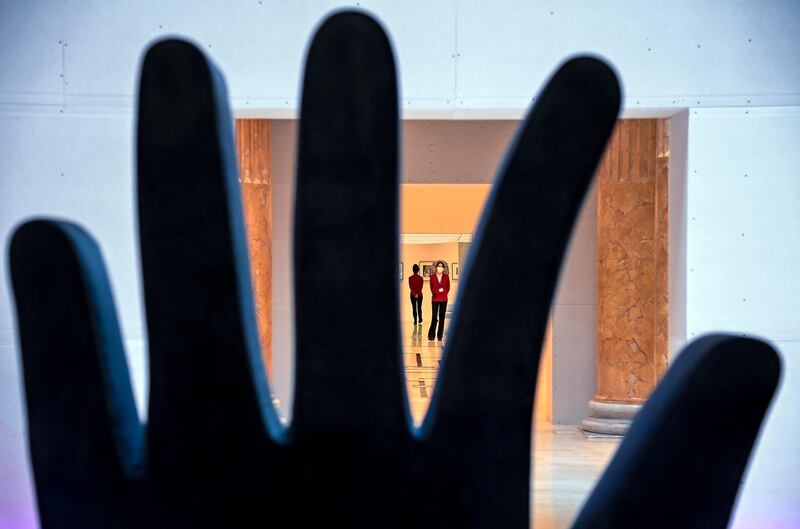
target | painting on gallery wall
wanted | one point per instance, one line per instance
(428, 268)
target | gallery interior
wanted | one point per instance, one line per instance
(689, 227)
(448, 168)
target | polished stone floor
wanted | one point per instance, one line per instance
(566, 464)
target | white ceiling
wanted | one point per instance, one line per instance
(434, 238)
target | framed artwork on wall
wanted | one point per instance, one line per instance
(426, 268)
(454, 271)
(429, 267)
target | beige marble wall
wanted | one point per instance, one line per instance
(255, 175)
(632, 307)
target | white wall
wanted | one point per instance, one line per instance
(574, 322)
(743, 215)
(79, 168)
(284, 154)
(742, 255)
(454, 152)
(678, 130)
(457, 58)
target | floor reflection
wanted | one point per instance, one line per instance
(421, 360)
(566, 465)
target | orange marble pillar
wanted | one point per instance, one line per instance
(632, 302)
(255, 177)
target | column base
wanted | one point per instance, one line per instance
(609, 419)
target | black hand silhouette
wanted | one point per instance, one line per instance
(213, 453)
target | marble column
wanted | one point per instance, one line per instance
(632, 302)
(255, 176)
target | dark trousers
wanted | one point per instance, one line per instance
(438, 309)
(416, 308)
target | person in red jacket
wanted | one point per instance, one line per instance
(440, 286)
(415, 283)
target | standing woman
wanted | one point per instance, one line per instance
(440, 286)
(415, 283)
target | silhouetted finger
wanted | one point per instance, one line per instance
(349, 371)
(208, 393)
(85, 436)
(682, 461)
(482, 407)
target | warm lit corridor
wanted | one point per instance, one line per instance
(566, 464)
(421, 361)
(437, 222)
